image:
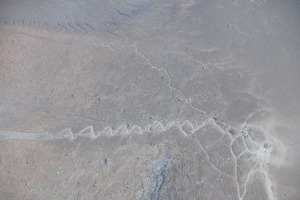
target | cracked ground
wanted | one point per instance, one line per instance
(149, 100)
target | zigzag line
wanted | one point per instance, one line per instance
(186, 127)
(261, 154)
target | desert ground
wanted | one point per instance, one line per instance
(150, 99)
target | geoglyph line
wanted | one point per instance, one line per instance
(186, 127)
(261, 152)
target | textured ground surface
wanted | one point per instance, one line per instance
(146, 99)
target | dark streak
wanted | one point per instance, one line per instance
(46, 26)
(121, 13)
(91, 27)
(81, 27)
(62, 27)
(70, 25)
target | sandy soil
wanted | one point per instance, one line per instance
(149, 99)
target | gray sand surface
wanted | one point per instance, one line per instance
(147, 99)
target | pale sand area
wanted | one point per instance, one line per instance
(149, 100)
